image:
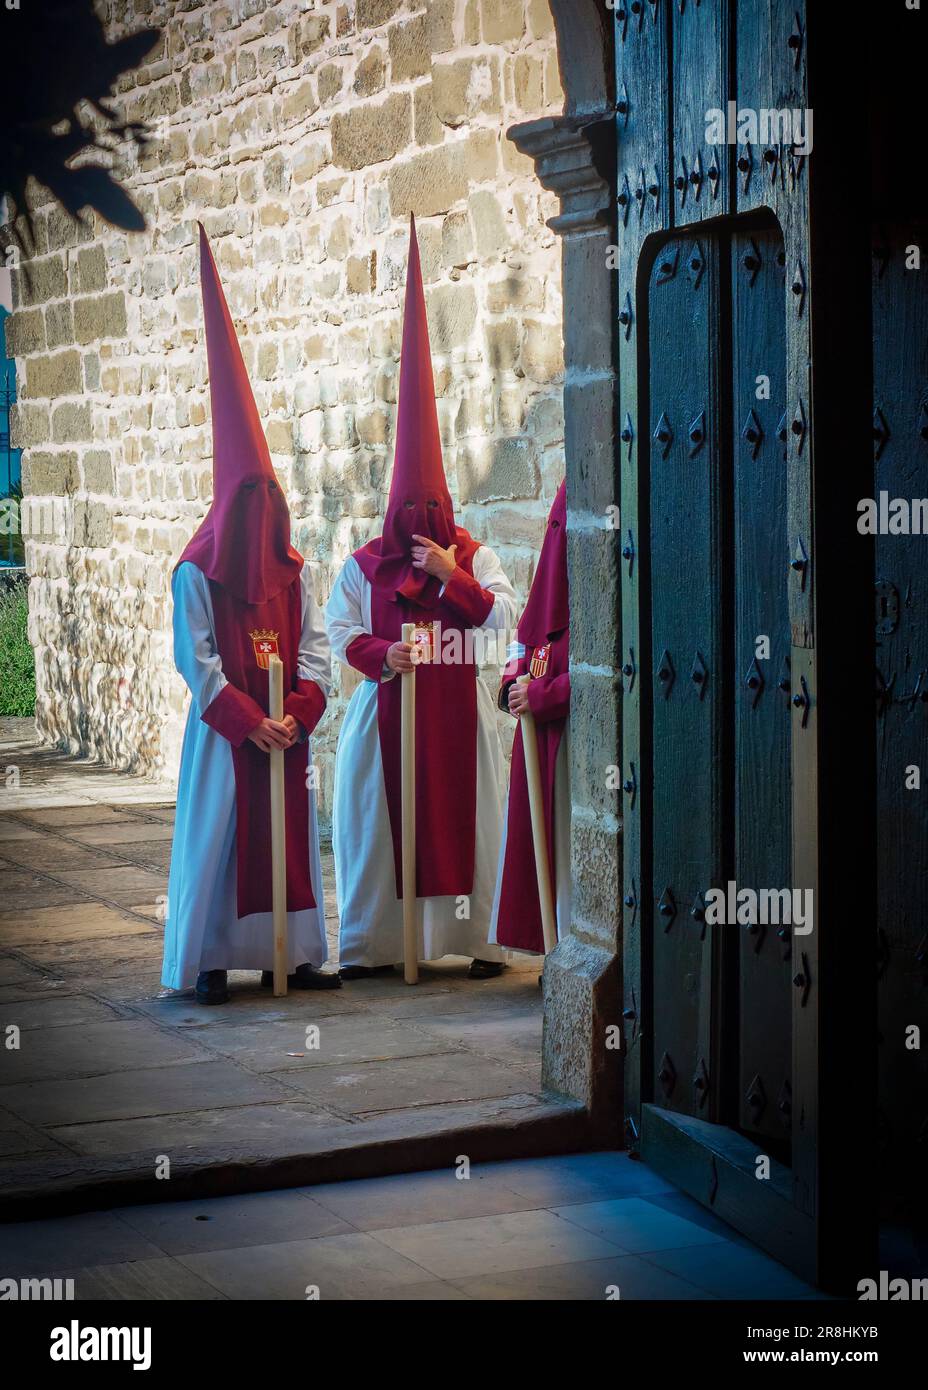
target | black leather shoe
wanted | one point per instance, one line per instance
(212, 987)
(304, 977)
(485, 969)
(364, 972)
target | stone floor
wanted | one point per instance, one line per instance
(111, 1078)
(109, 1072)
(583, 1227)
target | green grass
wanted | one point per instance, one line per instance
(17, 664)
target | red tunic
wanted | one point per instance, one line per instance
(244, 632)
(544, 632)
(446, 734)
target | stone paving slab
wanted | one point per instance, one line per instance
(636, 1224)
(18, 1138)
(123, 884)
(132, 832)
(250, 1008)
(268, 1128)
(16, 830)
(408, 1198)
(515, 1036)
(419, 1237)
(126, 942)
(349, 1266)
(56, 854)
(731, 1270)
(375, 1086)
(36, 989)
(94, 1049)
(42, 899)
(14, 972)
(63, 818)
(52, 779)
(58, 1011)
(163, 1280)
(83, 921)
(156, 1090)
(581, 1281)
(280, 1045)
(45, 1249)
(155, 856)
(493, 1244)
(224, 1223)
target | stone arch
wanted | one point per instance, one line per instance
(575, 157)
(585, 53)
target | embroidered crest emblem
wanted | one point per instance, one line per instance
(539, 663)
(423, 642)
(265, 645)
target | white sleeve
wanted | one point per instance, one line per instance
(491, 576)
(314, 660)
(343, 612)
(196, 655)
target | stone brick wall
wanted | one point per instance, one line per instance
(302, 135)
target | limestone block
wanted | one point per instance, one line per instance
(71, 423)
(59, 324)
(57, 375)
(439, 22)
(103, 316)
(410, 49)
(457, 240)
(502, 20)
(38, 281)
(542, 351)
(370, 73)
(370, 134)
(432, 182)
(308, 160)
(371, 13)
(452, 314)
(29, 424)
(49, 474)
(25, 332)
(314, 30)
(489, 223)
(466, 88)
(528, 83)
(539, 18)
(329, 82)
(427, 128)
(362, 273)
(501, 469)
(503, 344)
(472, 21)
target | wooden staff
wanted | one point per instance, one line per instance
(536, 806)
(275, 674)
(408, 784)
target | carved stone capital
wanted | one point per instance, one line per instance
(575, 158)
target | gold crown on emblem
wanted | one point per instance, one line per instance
(261, 634)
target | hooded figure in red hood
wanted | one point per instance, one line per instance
(543, 652)
(242, 593)
(422, 568)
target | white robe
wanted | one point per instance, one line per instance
(203, 930)
(561, 845)
(370, 914)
